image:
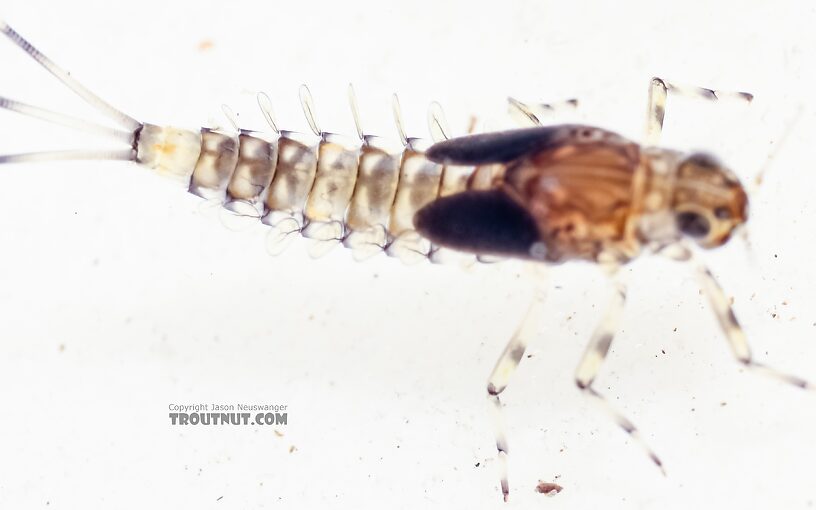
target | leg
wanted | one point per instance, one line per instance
(735, 334)
(591, 362)
(658, 92)
(504, 369)
(531, 114)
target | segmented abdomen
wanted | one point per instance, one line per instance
(328, 188)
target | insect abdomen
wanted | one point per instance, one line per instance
(328, 189)
(255, 167)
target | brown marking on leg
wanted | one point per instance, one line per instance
(658, 92)
(505, 367)
(591, 362)
(736, 336)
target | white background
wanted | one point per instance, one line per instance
(121, 294)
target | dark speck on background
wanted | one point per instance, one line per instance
(548, 488)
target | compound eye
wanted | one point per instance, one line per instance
(703, 160)
(693, 224)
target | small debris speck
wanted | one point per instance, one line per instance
(220, 498)
(548, 488)
(292, 449)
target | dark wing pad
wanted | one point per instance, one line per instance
(498, 147)
(480, 222)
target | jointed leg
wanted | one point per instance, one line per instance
(735, 334)
(658, 92)
(592, 360)
(504, 369)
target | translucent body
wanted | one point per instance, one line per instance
(254, 170)
(297, 165)
(370, 207)
(331, 193)
(215, 165)
(329, 189)
(169, 151)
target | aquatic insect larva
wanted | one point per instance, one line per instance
(544, 194)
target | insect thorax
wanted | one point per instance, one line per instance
(653, 219)
(582, 197)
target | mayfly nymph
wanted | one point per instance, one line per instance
(543, 194)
